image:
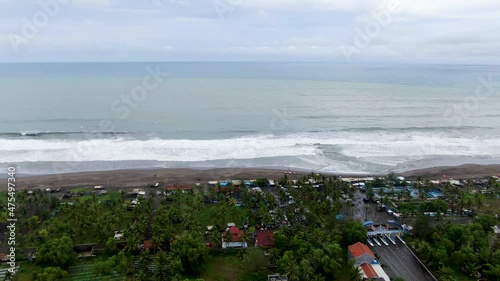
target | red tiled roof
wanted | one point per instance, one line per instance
(360, 249)
(264, 238)
(369, 271)
(236, 232)
(148, 244)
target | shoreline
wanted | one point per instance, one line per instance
(178, 176)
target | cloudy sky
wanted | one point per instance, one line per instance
(429, 31)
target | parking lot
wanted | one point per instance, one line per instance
(366, 211)
(400, 262)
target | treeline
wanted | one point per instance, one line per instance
(471, 248)
(310, 243)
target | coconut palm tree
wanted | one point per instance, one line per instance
(215, 238)
(246, 236)
(353, 272)
(478, 200)
(293, 271)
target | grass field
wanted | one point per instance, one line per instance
(80, 189)
(222, 268)
(26, 270)
(83, 271)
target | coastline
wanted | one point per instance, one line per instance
(177, 176)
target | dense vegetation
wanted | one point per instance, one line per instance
(166, 236)
(310, 242)
(471, 248)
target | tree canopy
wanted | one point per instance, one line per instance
(57, 253)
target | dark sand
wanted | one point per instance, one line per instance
(456, 172)
(138, 178)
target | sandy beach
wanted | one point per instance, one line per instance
(132, 178)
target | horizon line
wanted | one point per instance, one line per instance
(243, 61)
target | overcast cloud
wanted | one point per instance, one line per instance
(434, 31)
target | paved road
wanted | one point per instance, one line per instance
(400, 262)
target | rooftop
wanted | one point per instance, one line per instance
(369, 271)
(236, 232)
(264, 238)
(360, 249)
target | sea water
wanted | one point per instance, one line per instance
(344, 118)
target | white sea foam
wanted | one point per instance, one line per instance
(377, 148)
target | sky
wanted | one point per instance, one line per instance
(423, 31)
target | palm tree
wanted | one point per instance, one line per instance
(306, 270)
(468, 185)
(246, 236)
(354, 272)
(468, 201)
(421, 192)
(293, 272)
(228, 236)
(479, 200)
(215, 238)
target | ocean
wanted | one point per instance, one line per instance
(327, 117)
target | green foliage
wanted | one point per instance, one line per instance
(262, 182)
(122, 263)
(50, 274)
(422, 227)
(352, 231)
(487, 222)
(104, 268)
(312, 248)
(119, 263)
(466, 247)
(191, 251)
(110, 248)
(254, 264)
(379, 182)
(351, 271)
(439, 206)
(391, 176)
(492, 271)
(369, 192)
(308, 255)
(57, 253)
(161, 262)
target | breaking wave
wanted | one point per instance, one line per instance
(55, 133)
(362, 149)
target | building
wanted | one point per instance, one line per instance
(361, 253)
(148, 244)
(373, 272)
(496, 229)
(276, 277)
(264, 239)
(235, 242)
(366, 262)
